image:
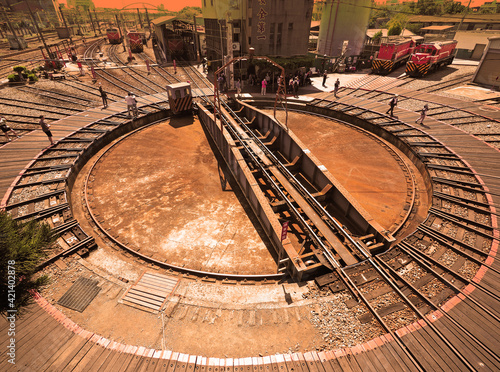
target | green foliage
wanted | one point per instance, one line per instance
(188, 12)
(13, 77)
(32, 77)
(377, 36)
(453, 7)
(429, 7)
(22, 245)
(414, 27)
(19, 69)
(394, 30)
(289, 64)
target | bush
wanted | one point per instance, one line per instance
(22, 245)
(13, 77)
(19, 69)
(32, 77)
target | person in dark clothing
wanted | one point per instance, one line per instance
(325, 75)
(336, 88)
(393, 103)
(46, 128)
(104, 97)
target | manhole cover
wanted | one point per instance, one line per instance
(150, 292)
(80, 295)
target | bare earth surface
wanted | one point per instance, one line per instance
(160, 191)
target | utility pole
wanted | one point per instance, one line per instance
(139, 15)
(120, 31)
(97, 22)
(11, 28)
(38, 30)
(147, 19)
(196, 41)
(65, 25)
(465, 14)
(92, 22)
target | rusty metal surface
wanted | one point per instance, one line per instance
(159, 192)
(364, 167)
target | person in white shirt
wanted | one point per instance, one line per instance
(5, 128)
(131, 104)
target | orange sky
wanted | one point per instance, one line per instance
(464, 2)
(174, 5)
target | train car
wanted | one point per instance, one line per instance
(430, 56)
(180, 97)
(113, 35)
(391, 55)
(135, 41)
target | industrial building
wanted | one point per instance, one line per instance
(343, 27)
(271, 27)
(487, 72)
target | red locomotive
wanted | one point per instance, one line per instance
(430, 56)
(391, 55)
(113, 35)
(135, 41)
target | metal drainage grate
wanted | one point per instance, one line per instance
(150, 292)
(80, 295)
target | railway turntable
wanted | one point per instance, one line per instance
(405, 214)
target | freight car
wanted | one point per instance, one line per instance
(391, 55)
(180, 97)
(113, 35)
(135, 42)
(430, 56)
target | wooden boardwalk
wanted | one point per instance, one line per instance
(48, 341)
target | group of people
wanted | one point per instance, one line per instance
(394, 102)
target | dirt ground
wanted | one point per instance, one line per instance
(159, 190)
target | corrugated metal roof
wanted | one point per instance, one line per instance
(163, 20)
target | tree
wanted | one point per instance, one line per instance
(428, 7)
(453, 7)
(22, 245)
(394, 30)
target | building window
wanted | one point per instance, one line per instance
(290, 26)
(271, 37)
(212, 2)
(278, 37)
(249, 41)
(249, 22)
(205, 2)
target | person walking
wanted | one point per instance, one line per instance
(104, 96)
(325, 75)
(131, 104)
(392, 103)
(296, 86)
(238, 87)
(175, 67)
(5, 128)
(264, 87)
(423, 113)
(46, 128)
(336, 87)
